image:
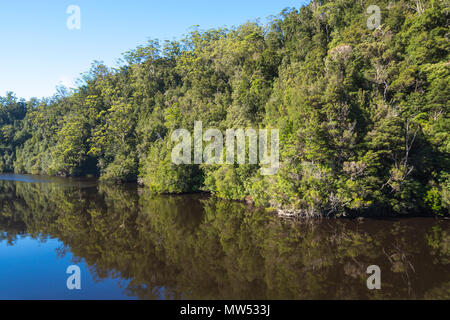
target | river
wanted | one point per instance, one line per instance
(130, 244)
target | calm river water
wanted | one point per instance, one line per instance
(130, 244)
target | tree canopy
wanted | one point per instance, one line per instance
(362, 114)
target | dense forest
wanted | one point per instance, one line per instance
(363, 115)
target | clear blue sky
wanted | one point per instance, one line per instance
(39, 52)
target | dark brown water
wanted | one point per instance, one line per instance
(131, 244)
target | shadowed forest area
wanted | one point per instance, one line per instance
(363, 119)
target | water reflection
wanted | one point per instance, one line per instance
(197, 247)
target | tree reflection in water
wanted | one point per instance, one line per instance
(198, 247)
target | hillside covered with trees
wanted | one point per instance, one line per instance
(363, 114)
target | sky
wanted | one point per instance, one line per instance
(39, 51)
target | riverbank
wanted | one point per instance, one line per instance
(284, 213)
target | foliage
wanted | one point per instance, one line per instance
(363, 114)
